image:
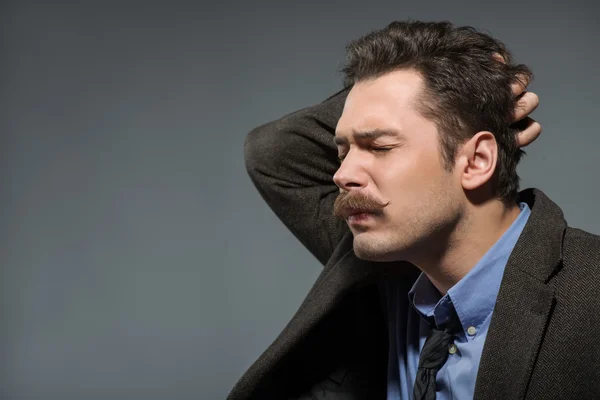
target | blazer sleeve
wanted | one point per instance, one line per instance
(291, 162)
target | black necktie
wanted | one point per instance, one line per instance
(433, 356)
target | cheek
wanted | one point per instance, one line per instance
(394, 177)
(409, 172)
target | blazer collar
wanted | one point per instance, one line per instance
(525, 303)
(539, 249)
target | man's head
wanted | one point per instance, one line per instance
(424, 136)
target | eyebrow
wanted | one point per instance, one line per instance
(372, 134)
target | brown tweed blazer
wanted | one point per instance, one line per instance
(544, 337)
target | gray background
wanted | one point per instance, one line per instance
(137, 261)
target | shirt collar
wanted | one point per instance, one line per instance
(474, 296)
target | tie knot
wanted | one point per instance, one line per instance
(435, 350)
(433, 355)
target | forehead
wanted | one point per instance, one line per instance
(386, 102)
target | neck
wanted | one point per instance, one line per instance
(473, 236)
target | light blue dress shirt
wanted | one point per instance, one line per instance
(472, 299)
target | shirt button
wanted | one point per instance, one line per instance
(472, 331)
(452, 349)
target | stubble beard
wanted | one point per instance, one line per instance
(415, 239)
(384, 247)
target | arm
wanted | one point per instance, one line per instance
(291, 161)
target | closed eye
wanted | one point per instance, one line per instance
(375, 149)
(381, 149)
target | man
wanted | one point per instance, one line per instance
(441, 279)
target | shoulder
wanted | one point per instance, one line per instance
(580, 270)
(582, 246)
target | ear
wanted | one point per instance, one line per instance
(477, 160)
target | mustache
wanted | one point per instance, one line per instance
(347, 204)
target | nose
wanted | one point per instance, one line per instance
(350, 176)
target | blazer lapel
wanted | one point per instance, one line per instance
(525, 303)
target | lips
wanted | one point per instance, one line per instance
(356, 218)
(360, 218)
(352, 212)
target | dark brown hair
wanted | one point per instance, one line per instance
(466, 89)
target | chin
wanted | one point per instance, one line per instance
(368, 256)
(370, 249)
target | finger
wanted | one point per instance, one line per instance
(520, 85)
(526, 104)
(528, 131)
(498, 57)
